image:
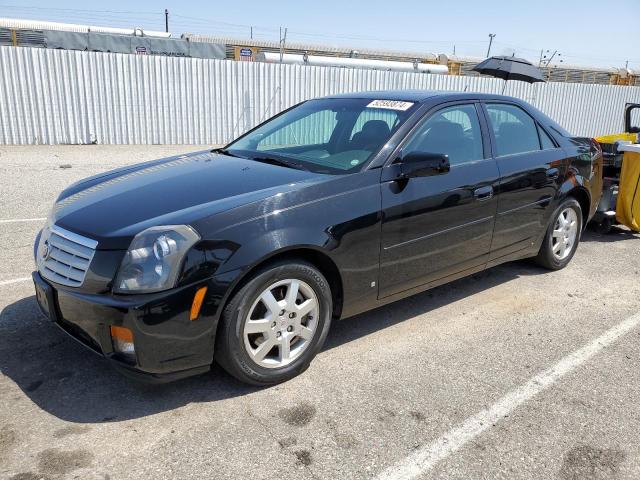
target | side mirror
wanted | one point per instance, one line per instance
(424, 164)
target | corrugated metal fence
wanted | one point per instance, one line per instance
(61, 96)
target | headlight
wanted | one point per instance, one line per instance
(153, 260)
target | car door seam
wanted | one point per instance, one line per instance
(431, 235)
(537, 202)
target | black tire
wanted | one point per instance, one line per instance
(230, 350)
(546, 257)
(603, 227)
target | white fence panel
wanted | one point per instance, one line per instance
(62, 96)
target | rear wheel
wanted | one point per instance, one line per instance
(275, 324)
(562, 237)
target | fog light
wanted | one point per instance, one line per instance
(123, 340)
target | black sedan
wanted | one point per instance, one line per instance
(245, 255)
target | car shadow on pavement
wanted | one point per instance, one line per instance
(66, 380)
(363, 324)
(616, 234)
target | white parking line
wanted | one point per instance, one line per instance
(425, 458)
(22, 220)
(15, 280)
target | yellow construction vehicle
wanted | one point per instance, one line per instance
(620, 202)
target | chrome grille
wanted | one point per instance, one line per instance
(64, 257)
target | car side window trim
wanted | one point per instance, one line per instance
(542, 130)
(487, 134)
(486, 149)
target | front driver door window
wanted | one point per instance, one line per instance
(454, 131)
(435, 227)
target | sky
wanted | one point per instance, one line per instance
(582, 32)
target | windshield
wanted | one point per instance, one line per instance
(335, 136)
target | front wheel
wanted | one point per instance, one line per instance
(562, 237)
(275, 324)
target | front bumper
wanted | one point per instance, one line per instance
(168, 345)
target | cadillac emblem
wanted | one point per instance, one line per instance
(45, 250)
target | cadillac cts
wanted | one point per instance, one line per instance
(244, 255)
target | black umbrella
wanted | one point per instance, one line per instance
(510, 68)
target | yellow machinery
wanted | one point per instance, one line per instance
(628, 204)
(620, 202)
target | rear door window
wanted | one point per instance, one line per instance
(515, 131)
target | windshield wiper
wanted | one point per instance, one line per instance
(224, 151)
(281, 162)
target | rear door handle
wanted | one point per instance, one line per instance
(483, 193)
(553, 173)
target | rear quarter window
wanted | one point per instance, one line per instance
(545, 140)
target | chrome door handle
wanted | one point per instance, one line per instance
(483, 193)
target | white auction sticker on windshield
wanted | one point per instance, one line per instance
(391, 105)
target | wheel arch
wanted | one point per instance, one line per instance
(582, 196)
(309, 254)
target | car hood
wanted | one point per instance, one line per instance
(113, 207)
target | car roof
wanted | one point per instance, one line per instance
(420, 96)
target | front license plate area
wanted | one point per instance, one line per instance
(44, 296)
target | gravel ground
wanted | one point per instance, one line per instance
(386, 386)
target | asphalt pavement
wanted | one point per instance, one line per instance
(513, 373)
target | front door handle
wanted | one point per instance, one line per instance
(483, 193)
(553, 173)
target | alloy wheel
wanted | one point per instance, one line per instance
(565, 233)
(281, 323)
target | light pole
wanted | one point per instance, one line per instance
(491, 36)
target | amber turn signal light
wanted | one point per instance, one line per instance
(122, 333)
(123, 340)
(197, 303)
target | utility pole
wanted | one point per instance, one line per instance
(251, 32)
(491, 37)
(166, 20)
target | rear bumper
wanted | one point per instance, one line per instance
(168, 345)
